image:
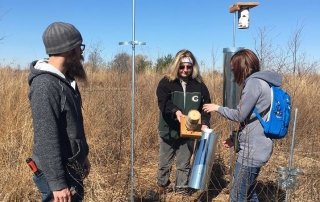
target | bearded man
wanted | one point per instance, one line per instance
(60, 148)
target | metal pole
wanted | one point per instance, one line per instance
(291, 149)
(132, 105)
(133, 43)
(234, 29)
(293, 136)
(231, 124)
(233, 103)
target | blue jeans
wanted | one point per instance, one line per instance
(47, 194)
(243, 188)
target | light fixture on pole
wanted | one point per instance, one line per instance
(133, 43)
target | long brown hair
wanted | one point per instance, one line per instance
(244, 63)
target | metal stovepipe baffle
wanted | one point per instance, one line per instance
(231, 90)
(203, 162)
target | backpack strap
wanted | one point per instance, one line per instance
(258, 116)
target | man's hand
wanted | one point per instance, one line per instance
(179, 115)
(63, 195)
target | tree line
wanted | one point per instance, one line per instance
(122, 62)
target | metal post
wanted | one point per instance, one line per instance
(234, 30)
(293, 136)
(132, 103)
(291, 149)
(231, 124)
(287, 176)
(133, 43)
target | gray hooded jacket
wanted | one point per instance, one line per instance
(59, 136)
(256, 148)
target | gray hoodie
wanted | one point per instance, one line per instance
(256, 148)
(59, 136)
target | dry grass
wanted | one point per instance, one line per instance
(107, 106)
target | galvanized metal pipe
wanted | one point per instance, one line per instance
(293, 136)
(133, 43)
(204, 159)
(132, 105)
(234, 29)
(291, 149)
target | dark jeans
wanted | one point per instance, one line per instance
(182, 149)
(47, 194)
(243, 188)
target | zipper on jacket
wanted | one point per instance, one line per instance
(184, 85)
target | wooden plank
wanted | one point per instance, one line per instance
(237, 6)
(184, 133)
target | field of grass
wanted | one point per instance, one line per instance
(107, 117)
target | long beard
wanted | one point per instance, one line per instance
(75, 67)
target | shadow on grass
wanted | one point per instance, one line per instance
(269, 191)
(216, 185)
(217, 182)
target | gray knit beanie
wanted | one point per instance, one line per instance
(60, 37)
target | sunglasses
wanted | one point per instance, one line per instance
(187, 66)
(82, 47)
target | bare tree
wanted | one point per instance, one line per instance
(264, 48)
(95, 60)
(294, 46)
(282, 63)
(121, 62)
(301, 64)
(1, 16)
(284, 59)
(215, 56)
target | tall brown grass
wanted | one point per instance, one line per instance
(107, 103)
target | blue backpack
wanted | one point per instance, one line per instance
(277, 123)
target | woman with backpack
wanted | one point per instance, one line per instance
(255, 148)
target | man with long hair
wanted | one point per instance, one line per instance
(60, 148)
(182, 89)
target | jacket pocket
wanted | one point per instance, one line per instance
(166, 133)
(78, 151)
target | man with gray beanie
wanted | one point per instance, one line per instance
(60, 148)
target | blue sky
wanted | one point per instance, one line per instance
(204, 26)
